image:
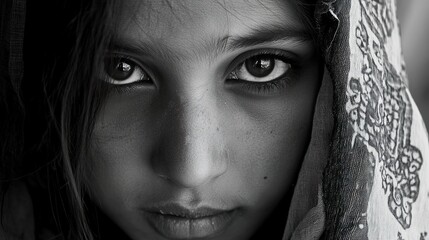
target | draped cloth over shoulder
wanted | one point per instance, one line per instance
(375, 183)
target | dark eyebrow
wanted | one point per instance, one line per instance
(257, 36)
(266, 35)
(138, 48)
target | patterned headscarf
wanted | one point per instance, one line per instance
(375, 182)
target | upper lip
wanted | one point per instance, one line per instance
(177, 210)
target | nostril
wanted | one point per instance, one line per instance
(191, 166)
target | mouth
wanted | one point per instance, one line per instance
(174, 221)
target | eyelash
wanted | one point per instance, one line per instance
(265, 87)
(277, 84)
(274, 85)
(124, 88)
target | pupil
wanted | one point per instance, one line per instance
(124, 67)
(119, 68)
(260, 66)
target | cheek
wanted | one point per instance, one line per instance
(273, 136)
(115, 176)
(118, 150)
(268, 153)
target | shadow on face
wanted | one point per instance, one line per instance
(208, 117)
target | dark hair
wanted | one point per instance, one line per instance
(62, 108)
(306, 11)
(64, 45)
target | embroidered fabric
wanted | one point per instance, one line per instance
(375, 183)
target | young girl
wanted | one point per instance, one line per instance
(210, 120)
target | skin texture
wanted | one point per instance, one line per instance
(191, 137)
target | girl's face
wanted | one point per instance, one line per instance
(208, 118)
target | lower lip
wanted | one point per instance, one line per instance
(190, 228)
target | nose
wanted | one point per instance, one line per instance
(191, 152)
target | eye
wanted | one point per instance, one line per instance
(261, 68)
(122, 70)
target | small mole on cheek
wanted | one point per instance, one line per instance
(265, 177)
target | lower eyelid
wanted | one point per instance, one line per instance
(132, 87)
(273, 86)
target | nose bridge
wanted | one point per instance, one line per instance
(191, 152)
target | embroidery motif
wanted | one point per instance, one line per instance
(380, 112)
(423, 235)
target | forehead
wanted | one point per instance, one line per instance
(189, 21)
